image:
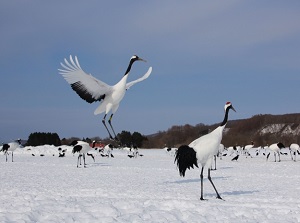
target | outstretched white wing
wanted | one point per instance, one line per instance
(146, 75)
(85, 85)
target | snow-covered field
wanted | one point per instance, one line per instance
(144, 189)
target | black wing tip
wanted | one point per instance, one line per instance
(84, 94)
(186, 158)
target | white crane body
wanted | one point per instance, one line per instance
(202, 150)
(91, 89)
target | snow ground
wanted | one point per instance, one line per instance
(144, 189)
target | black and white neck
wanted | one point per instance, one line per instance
(132, 60)
(227, 107)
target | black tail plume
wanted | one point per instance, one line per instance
(186, 158)
(5, 148)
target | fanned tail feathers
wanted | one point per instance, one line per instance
(186, 158)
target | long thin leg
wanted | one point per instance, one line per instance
(215, 162)
(83, 160)
(109, 121)
(201, 178)
(291, 154)
(103, 121)
(6, 156)
(209, 178)
(12, 156)
(79, 156)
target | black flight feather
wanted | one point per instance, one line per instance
(80, 89)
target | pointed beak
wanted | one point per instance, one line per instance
(140, 59)
(233, 108)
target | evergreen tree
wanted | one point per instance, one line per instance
(42, 138)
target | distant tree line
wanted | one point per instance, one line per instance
(43, 138)
(176, 136)
(237, 132)
(135, 139)
(125, 139)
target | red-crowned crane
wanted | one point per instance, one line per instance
(91, 89)
(11, 147)
(247, 148)
(202, 151)
(294, 148)
(82, 148)
(275, 148)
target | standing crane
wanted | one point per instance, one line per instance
(11, 147)
(82, 148)
(202, 150)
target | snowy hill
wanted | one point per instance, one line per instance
(283, 129)
(263, 129)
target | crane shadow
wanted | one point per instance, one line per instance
(97, 164)
(183, 181)
(225, 167)
(192, 180)
(235, 193)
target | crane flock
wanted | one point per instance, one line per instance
(202, 150)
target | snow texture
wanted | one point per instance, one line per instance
(144, 189)
(285, 129)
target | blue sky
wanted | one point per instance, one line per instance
(203, 53)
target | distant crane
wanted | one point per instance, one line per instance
(91, 89)
(247, 148)
(82, 148)
(275, 148)
(11, 147)
(202, 151)
(294, 148)
(218, 153)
